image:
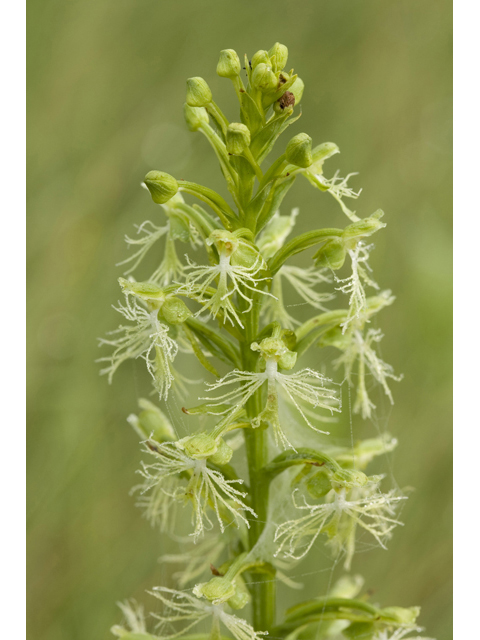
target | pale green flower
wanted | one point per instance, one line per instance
(339, 189)
(203, 487)
(360, 349)
(148, 339)
(134, 620)
(338, 517)
(180, 606)
(305, 385)
(177, 228)
(354, 285)
(237, 270)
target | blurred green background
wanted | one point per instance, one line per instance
(106, 89)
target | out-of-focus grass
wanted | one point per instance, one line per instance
(105, 105)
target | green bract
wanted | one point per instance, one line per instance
(249, 456)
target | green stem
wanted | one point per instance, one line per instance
(263, 590)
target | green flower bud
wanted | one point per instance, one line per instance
(279, 56)
(143, 290)
(319, 484)
(297, 90)
(299, 151)
(175, 311)
(238, 138)
(332, 254)
(263, 78)
(350, 478)
(229, 64)
(223, 454)
(195, 116)
(199, 446)
(151, 421)
(261, 57)
(198, 92)
(217, 590)
(162, 186)
(399, 615)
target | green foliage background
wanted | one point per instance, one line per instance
(106, 89)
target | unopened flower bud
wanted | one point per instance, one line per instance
(195, 116)
(217, 590)
(261, 57)
(175, 311)
(299, 151)
(263, 78)
(237, 139)
(223, 454)
(162, 186)
(198, 92)
(229, 64)
(332, 255)
(280, 53)
(151, 422)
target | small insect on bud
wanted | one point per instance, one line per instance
(162, 186)
(286, 102)
(297, 89)
(237, 139)
(264, 79)
(299, 151)
(279, 56)
(332, 255)
(175, 311)
(195, 116)
(229, 64)
(198, 92)
(261, 57)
